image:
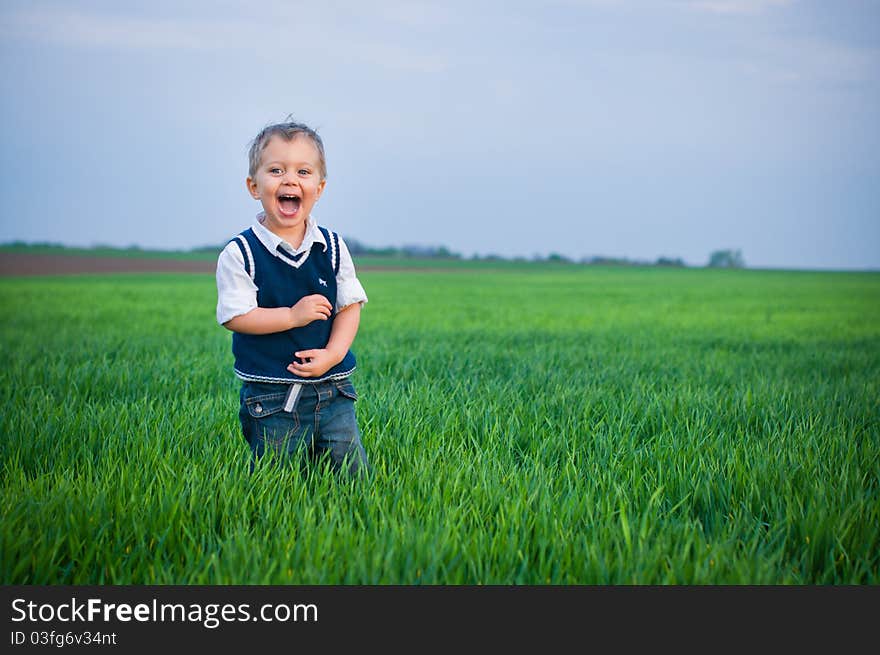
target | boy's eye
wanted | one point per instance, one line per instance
(275, 170)
(304, 171)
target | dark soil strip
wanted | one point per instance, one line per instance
(22, 264)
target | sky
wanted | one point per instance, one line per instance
(629, 128)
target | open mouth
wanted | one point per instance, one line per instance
(289, 203)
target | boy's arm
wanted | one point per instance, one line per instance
(265, 320)
(350, 297)
(320, 360)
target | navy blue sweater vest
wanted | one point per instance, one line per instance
(265, 357)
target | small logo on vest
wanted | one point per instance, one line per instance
(323, 282)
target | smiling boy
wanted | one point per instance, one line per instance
(287, 289)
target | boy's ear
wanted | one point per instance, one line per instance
(321, 186)
(252, 188)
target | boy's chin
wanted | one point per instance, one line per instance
(286, 219)
(284, 224)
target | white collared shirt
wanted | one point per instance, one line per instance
(236, 291)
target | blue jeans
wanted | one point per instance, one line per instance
(323, 423)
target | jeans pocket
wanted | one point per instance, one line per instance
(266, 419)
(346, 388)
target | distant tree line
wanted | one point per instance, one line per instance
(356, 248)
(727, 259)
(717, 259)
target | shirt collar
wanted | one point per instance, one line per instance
(272, 241)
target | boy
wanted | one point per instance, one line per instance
(287, 289)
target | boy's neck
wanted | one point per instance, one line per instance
(293, 235)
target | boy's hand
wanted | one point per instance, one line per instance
(316, 362)
(310, 308)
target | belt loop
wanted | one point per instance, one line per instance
(292, 396)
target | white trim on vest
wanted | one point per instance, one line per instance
(247, 248)
(247, 377)
(334, 251)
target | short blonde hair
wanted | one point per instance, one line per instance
(288, 131)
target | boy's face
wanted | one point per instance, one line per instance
(288, 183)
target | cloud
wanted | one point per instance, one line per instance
(278, 32)
(737, 7)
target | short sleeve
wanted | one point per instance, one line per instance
(348, 288)
(236, 291)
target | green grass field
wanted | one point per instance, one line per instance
(580, 425)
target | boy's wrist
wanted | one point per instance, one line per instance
(335, 354)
